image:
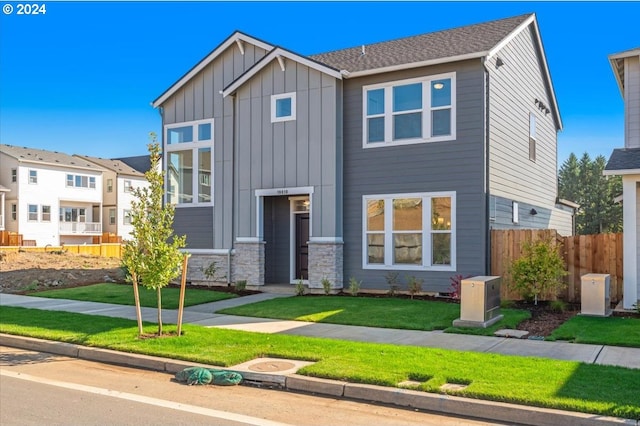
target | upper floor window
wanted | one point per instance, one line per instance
(410, 111)
(33, 176)
(109, 185)
(14, 175)
(127, 186)
(126, 217)
(283, 107)
(32, 210)
(409, 231)
(532, 137)
(189, 162)
(72, 214)
(112, 216)
(80, 181)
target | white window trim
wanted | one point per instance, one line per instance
(426, 233)
(515, 213)
(42, 213)
(275, 98)
(73, 181)
(193, 147)
(114, 217)
(126, 214)
(36, 177)
(426, 111)
(29, 213)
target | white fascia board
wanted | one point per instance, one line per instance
(59, 165)
(400, 67)
(279, 53)
(236, 37)
(616, 72)
(543, 57)
(621, 172)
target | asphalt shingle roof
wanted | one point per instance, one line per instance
(141, 163)
(117, 166)
(624, 159)
(33, 155)
(431, 46)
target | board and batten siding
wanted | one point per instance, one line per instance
(457, 165)
(298, 153)
(200, 98)
(514, 87)
(632, 102)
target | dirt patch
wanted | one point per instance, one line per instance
(28, 271)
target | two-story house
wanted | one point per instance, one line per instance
(119, 178)
(53, 198)
(398, 156)
(626, 162)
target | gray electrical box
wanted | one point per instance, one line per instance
(479, 302)
(595, 297)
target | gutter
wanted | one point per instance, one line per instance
(486, 167)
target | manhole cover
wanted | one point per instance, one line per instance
(271, 366)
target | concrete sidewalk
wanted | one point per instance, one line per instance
(205, 315)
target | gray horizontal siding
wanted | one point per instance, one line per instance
(200, 99)
(197, 224)
(456, 165)
(514, 87)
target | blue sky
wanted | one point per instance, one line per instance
(80, 78)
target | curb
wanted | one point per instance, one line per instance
(447, 404)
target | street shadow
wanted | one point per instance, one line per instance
(9, 359)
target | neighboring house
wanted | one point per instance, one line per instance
(3, 191)
(626, 162)
(397, 156)
(119, 179)
(54, 198)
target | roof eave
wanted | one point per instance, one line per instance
(268, 58)
(621, 172)
(429, 62)
(62, 165)
(613, 61)
(233, 38)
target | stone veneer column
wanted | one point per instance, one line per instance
(249, 262)
(325, 261)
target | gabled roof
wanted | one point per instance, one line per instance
(280, 54)
(141, 163)
(117, 166)
(623, 161)
(472, 41)
(617, 64)
(50, 158)
(237, 37)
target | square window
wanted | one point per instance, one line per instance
(180, 135)
(283, 107)
(204, 132)
(407, 126)
(407, 97)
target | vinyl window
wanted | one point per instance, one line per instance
(283, 107)
(32, 215)
(45, 213)
(33, 176)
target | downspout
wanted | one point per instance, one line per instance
(233, 185)
(486, 168)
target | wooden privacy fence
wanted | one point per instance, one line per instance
(102, 250)
(583, 254)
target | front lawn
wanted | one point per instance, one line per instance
(613, 331)
(372, 312)
(122, 294)
(567, 385)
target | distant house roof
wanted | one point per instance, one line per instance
(44, 157)
(463, 42)
(617, 64)
(623, 161)
(117, 166)
(141, 163)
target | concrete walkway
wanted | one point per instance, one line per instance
(205, 315)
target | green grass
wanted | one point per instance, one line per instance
(122, 294)
(613, 331)
(372, 312)
(532, 381)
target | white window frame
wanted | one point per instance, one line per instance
(14, 175)
(128, 186)
(275, 99)
(109, 185)
(33, 180)
(194, 147)
(112, 217)
(426, 111)
(29, 213)
(426, 232)
(42, 213)
(515, 213)
(126, 217)
(71, 183)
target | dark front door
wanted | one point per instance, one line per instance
(302, 249)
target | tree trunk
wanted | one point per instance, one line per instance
(136, 296)
(159, 312)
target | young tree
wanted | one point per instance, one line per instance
(152, 256)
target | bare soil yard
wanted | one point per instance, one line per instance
(28, 271)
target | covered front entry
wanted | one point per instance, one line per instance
(286, 231)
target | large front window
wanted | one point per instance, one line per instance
(409, 231)
(189, 162)
(73, 214)
(409, 111)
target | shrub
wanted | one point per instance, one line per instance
(558, 305)
(392, 281)
(414, 285)
(354, 286)
(300, 288)
(326, 286)
(241, 285)
(211, 270)
(540, 269)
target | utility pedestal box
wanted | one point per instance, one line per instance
(479, 302)
(595, 298)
